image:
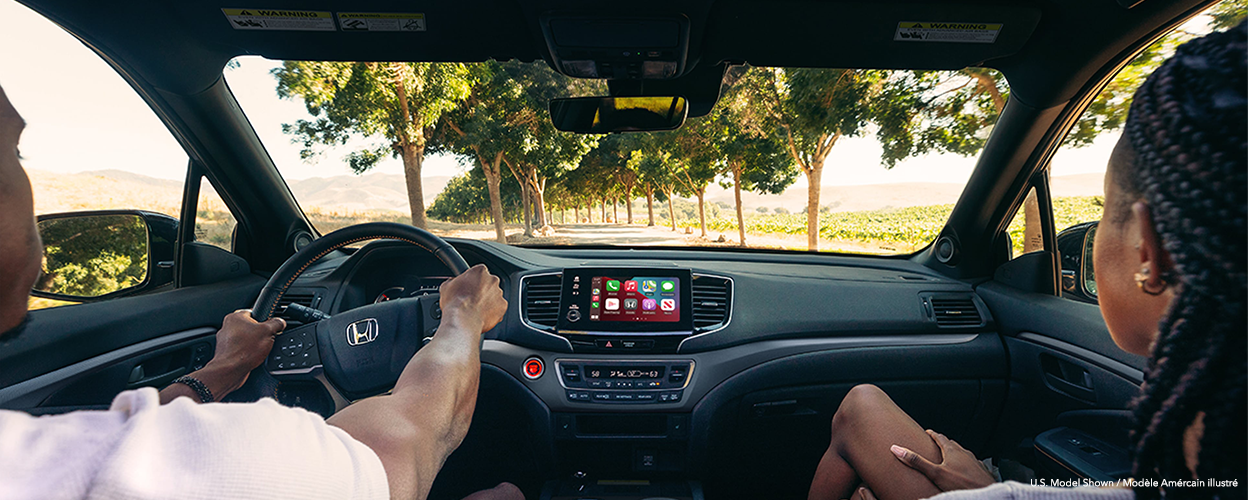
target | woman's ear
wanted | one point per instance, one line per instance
(1155, 263)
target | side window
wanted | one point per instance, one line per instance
(90, 148)
(214, 223)
(1077, 170)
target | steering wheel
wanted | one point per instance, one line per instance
(362, 351)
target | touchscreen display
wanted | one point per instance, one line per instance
(635, 298)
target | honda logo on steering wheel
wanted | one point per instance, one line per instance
(362, 332)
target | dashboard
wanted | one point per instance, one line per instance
(632, 362)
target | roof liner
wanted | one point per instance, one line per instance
(1047, 49)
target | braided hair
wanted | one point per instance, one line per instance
(1188, 130)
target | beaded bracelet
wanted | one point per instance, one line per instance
(205, 395)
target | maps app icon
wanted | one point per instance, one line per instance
(648, 286)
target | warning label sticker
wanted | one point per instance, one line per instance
(947, 32)
(279, 20)
(381, 21)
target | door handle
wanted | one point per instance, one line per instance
(1068, 378)
(138, 377)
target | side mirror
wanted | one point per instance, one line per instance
(1075, 246)
(603, 115)
(90, 256)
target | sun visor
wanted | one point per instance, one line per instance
(866, 35)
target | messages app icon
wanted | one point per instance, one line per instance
(669, 286)
(613, 285)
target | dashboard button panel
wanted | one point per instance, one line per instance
(624, 381)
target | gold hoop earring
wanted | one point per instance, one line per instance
(1141, 280)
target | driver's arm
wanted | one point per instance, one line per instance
(414, 428)
(242, 344)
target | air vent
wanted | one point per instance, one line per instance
(540, 295)
(955, 311)
(304, 299)
(712, 297)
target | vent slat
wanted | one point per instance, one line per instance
(710, 301)
(541, 299)
(959, 311)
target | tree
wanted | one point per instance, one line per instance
(400, 102)
(696, 162)
(913, 113)
(753, 158)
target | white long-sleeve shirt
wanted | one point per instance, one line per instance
(1011, 490)
(139, 449)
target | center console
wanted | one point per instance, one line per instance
(622, 424)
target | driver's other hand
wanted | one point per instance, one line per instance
(243, 343)
(474, 298)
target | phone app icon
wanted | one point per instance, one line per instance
(614, 304)
(666, 305)
(593, 305)
(630, 304)
(648, 286)
(648, 304)
(668, 286)
(613, 285)
(630, 286)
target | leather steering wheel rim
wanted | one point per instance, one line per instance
(266, 304)
(260, 383)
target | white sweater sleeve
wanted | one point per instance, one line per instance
(1011, 490)
(139, 449)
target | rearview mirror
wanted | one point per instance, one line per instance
(94, 255)
(603, 115)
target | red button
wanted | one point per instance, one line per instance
(533, 368)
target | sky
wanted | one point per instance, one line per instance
(81, 116)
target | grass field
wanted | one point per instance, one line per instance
(903, 230)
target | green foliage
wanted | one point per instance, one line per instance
(91, 256)
(905, 229)
(1228, 13)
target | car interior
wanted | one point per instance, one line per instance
(728, 390)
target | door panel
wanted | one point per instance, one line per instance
(60, 337)
(1065, 371)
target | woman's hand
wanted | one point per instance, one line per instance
(958, 469)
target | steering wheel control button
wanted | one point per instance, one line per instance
(437, 311)
(533, 368)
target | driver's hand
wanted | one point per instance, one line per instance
(243, 343)
(958, 469)
(473, 298)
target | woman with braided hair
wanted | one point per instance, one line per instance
(1170, 260)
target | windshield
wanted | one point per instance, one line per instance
(839, 160)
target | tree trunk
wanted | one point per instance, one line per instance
(525, 206)
(615, 210)
(671, 208)
(814, 175)
(604, 209)
(736, 188)
(650, 205)
(1033, 237)
(493, 179)
(702, 210)
(413, 157)
(577, 208)
(539, 206)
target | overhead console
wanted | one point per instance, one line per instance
(618, 48)
(625, 309)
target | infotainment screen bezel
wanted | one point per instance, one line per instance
(583, 276)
